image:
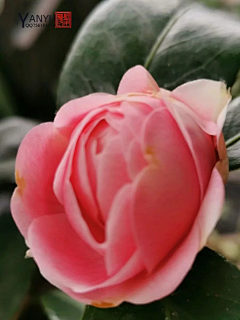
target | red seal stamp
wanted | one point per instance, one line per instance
(63, 19)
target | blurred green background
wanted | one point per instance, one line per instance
(30, 65)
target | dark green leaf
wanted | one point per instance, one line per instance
(231, 131)
(209, 292)
(234, 156)
(176, 42)
(59, 306)
(213, 3)
(232, 122)
(15, 271)
(117, 35)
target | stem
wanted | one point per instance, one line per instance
(232, 140)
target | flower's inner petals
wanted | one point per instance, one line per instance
(70, 192)
(83, 175)
(64, 169)
(167, 196)
(120, 243)
(87, 162)
(73, 112)
(114, 118)
(134, 116)
(135, 159)
(111, 174)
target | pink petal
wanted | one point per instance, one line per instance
(111, 175)
(83, 179)
(63, 257)
(38, 157)
(211, 207)
(135, 113)
(137, 79)
(135, 159)
(64, 185)
(115, 289)
(166, 192)
(197, 140)
(207, 98)
(120, 243)
(71, 113)
(171, 273)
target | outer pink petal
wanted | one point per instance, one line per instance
(211, 207)
(38, 157)
(63, 257)
(166, 193)
(197, 140)
(137, 79)
(71, 113)
(171, 273)
(206, 98)
(115, 289)
(144, 288)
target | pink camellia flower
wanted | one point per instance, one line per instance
(116, 197)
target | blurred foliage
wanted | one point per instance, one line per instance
(1, 6)
(15, 271)
(58, 305)
(32, 74)
(7, 104)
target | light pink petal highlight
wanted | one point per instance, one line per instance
(207, 98)
(137, 79)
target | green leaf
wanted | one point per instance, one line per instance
(232, 123)
(175, 41)
(214, 3)
(209, 292)
(233, 152)
(231, 132)
(59, 306)
(15, 271)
